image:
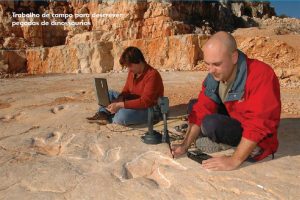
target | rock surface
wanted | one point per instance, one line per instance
(170, 33)
(77, 58)
(46, 155)
(281, 52)
(49, 151)
(141, 19)
(13, 61)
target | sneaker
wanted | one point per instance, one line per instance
(206, 145)
(99, 117)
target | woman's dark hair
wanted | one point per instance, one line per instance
(131, 55)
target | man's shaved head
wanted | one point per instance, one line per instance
(220, 55)
(222, 40)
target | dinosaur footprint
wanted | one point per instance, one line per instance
(95, 152)
(150, 165)
(112, 155)
(59, 108)
(52, 145)
(8, 118)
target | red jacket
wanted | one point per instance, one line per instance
(144, 91)
(254, 100)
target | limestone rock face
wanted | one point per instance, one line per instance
(279, 55)
(88, 55)
(12, 61)
(79, 58)
(137, 20)
(180, 52)
(170, 33)
(283, 26)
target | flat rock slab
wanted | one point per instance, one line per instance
(49, 151)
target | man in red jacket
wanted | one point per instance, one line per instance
(142, 89)
(248, 90)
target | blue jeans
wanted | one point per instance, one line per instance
(125, 116)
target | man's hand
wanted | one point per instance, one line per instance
(115, 107)
(178, 150)
(224, 163)
(192, 133)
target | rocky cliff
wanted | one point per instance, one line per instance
(170, 33)
(141, 20)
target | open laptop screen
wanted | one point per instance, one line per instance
(102, 91)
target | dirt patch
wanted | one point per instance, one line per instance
(4, 105)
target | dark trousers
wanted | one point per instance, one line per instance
(220, 127)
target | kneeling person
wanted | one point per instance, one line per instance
(142, 89)
(239, 105)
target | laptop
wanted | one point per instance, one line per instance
(102, 92)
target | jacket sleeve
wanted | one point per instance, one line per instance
(263, 107)
(204, 106)
(153, 84)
